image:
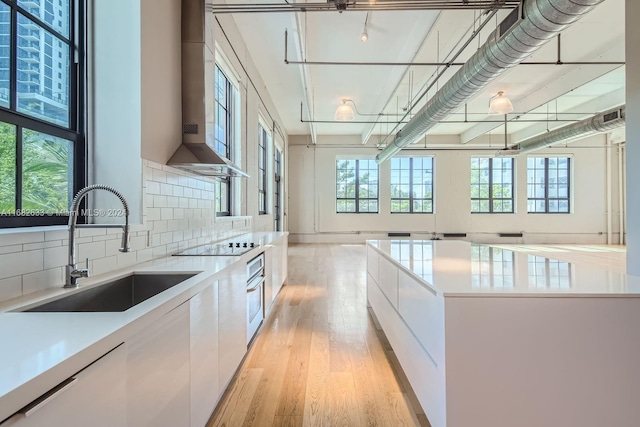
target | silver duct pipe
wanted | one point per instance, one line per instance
(520, 34)
(601, 122)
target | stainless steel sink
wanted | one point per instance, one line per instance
(118, 295)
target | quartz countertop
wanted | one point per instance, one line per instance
(39, 350)
(457, 268)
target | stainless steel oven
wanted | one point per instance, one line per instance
(255, 295)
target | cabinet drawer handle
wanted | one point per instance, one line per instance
(48, 397)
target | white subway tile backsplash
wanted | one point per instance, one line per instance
(10, 239)
(166, 214)
(56, 257)
(19, 263)
(10, 249)
(178, 209)
(40, 280)
(104, 265)
(10, 287)
(153, 187)
(41, 245)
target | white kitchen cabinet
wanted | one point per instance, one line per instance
(269, 278)
(423, 311)
(388, 280)
(93, 397)
(232, 322)
(277, 276)
(205, 391)
(158, 372)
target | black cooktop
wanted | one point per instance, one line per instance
(231, 248)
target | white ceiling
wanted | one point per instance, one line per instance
(425, 36)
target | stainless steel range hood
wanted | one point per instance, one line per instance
(196, 153)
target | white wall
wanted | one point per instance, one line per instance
(312, 197)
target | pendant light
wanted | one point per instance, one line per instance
(500, 104)
(344, 113)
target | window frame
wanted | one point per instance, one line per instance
(357, 197)
(277, 187)
(75, 132)
(225, 183)
(263, 141)
(546, 198)
(411, 199)
(491, 197)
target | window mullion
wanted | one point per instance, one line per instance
(411, 185)
(491, 195)
(13, 61)
(546, 185)
(357, 188)
(19, 171)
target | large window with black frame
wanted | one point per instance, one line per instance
(223, 139)
(277, 189)
(263, 142)
(356, 186)
(42, 110)
(412, 185)
(492, 185)
(548, 185)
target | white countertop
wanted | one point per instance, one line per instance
(456, 268)
(39, 350)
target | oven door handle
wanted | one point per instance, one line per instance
(258, 279)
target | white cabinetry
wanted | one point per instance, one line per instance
(205, 390)
(388, 280)
(158, 372)
(278, 266)
(93, 397)
(232, 322)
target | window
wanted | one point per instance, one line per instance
(42, 117)
(412, 185)
(356, 186)
(277, 190)
(224, 136)
(263, 140)
(548, 184)
(492, 185)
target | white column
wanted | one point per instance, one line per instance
(633, 135)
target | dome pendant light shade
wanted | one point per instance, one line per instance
(344, 113)
(500, 104)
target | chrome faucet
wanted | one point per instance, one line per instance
(73, 273)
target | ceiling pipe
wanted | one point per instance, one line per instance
(602, 122)
(520, 34)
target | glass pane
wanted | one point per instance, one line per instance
(53, 13)
(373, 206)
(351, 206)
(7, 169)
(484, 206)
(5, 40)
(47, 173)
(43, 74)
(475, 206)
(342, 206)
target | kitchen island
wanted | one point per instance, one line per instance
(492, 337)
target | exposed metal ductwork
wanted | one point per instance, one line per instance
(520, 34)
(601, 122)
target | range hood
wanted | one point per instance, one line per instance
(195, 153)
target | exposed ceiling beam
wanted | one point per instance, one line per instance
(572, 78)
(305, 78)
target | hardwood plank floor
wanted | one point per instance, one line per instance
(319, 360)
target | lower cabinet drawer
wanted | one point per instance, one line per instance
(93, 397)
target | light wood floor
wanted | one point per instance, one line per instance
(318, 360)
